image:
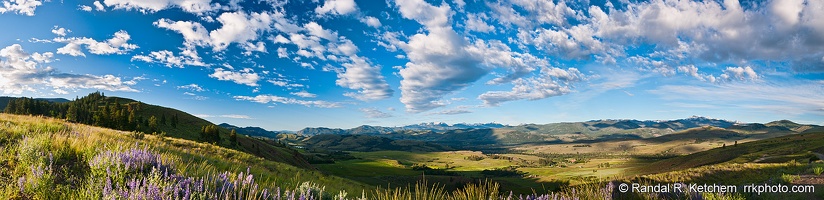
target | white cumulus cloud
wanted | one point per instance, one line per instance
(59, 31)
(246, 76)
(21, 7)
(740, 73)
(337, 7)
(21, 71)
(118, 44)
(191, 6)
(168, 58)
(371, 21)
(99, 6)
(550, 82)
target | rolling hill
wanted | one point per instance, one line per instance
(48, 158)
(186, 126)
(369, 143)
(779, 149)
(379, 130)
(251, 131)
(497, 134)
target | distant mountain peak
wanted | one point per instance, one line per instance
(251, 130)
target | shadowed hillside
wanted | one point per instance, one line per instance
(369, 143)
(779, 149)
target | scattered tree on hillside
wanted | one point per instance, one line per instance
(131, 122)
(474, 158)
(174, 121)
(233, 137)
(153, 123)
(163, 119)
(210, 133)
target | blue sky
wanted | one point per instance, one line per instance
(285, 65)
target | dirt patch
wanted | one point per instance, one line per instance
(810, 180)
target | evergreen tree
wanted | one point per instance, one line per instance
(203, 133)
(174, 121)
(163, 119)
(132, 122)
(153, 123)
(233, 137)
(210, 133)
(71, 114)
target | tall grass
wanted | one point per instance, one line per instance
(43, 158)
(818, 170)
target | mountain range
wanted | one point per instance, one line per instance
(377, 130)
(493, 135)
(590, 127)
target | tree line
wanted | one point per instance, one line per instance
(93, 109)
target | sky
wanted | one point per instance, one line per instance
(286, 65)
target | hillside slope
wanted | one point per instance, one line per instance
(251, 131)
(46, 158)
(105, 111)
(369, 143)
(779, 149)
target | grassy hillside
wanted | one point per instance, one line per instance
(368, 143)
(799, 147)
(45, 158)
(189, 126)
(112, 111)
(251, 131)
(679, 143)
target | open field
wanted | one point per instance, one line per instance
(381, 167)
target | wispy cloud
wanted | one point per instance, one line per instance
(374, 113)
(278, 99)
(788, 98)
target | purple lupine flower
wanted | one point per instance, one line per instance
(21, 182)
(123, 193)
(187, 192)
(264, 194)
(51, 160)
(107, 189)
(249, 180)
(38, 171)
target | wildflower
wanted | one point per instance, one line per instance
(21, 182)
